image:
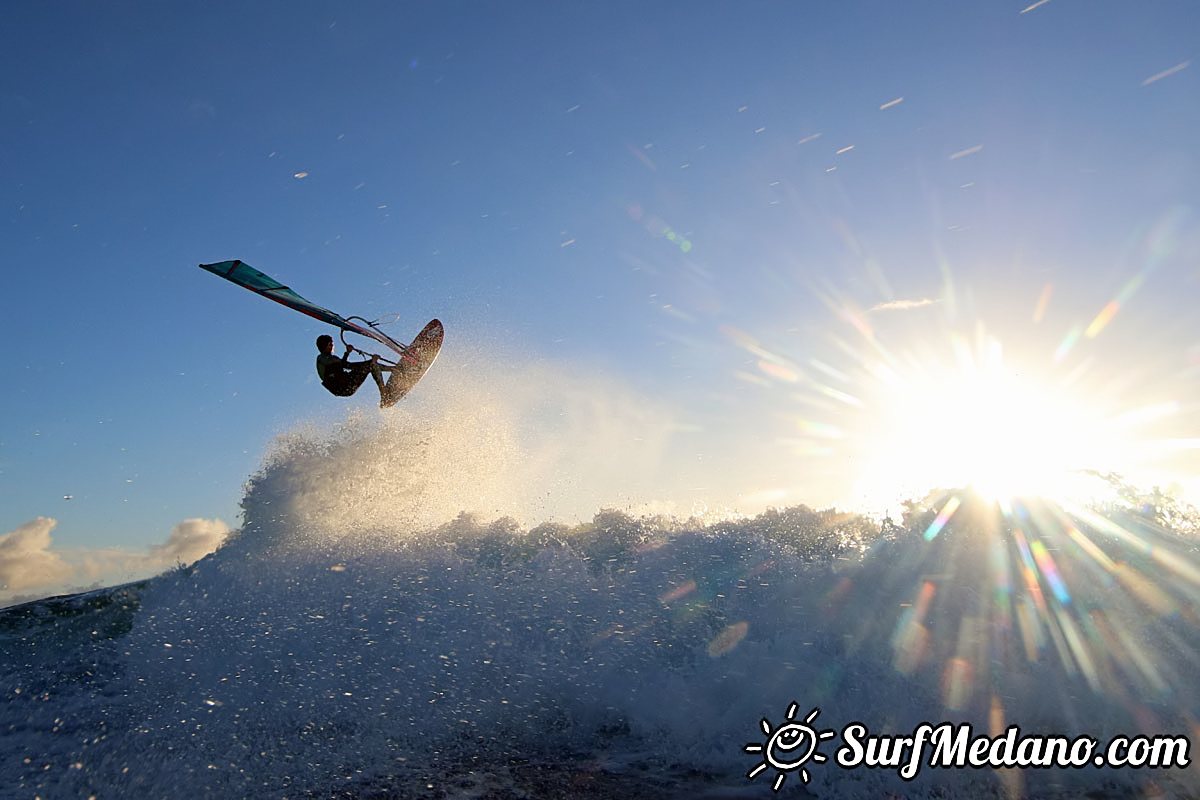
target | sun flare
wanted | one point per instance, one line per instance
(985, 425)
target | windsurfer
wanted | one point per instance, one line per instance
(341, 376)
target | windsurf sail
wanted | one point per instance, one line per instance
(245, 275)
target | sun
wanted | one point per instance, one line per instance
(788, 747)
(985, 425)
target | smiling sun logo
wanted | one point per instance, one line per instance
(788, 747)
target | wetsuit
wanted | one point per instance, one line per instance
(342, 377)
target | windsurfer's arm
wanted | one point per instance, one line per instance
(346, 362)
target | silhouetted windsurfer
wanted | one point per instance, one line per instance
(341, 376)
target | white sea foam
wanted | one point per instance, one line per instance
(361, 636)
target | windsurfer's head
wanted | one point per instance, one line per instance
(325, 343)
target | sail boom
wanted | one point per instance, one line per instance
(248, 277)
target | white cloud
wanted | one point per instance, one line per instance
(29, 561)
(26, 559)
(190, 540)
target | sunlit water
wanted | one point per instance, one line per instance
(345, 645)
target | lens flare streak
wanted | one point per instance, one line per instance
(1049, 569)
(942, 518)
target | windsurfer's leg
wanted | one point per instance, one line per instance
(377, 374)
(355, 376)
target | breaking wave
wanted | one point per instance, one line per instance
(386, 624)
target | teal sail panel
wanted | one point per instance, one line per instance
(243, 274)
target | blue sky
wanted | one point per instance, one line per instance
(708, 202)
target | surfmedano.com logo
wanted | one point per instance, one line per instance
(789, 747)
(793, 744)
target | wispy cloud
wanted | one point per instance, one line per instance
(1165, 73)
(903, 305)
